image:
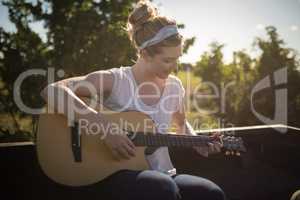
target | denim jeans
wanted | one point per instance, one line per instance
(150, 185)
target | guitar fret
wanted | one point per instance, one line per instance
(168, 140)
(183, 141)
(201, 140)
(198, 141)
(152, 140)
(193, 141)
(158, 140)
(190, 141)
(146, 139)
(187, 141)
(143, 139)
(178, 141)
(136, 140)
(172, 141)
(155, 139)
(164, 140)
(149, 140)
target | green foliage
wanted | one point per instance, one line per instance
(244, 72)
(275, 56)
(20, 51)
(82, 36)
(210, 64)
(188, 43)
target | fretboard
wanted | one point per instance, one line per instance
(171, 140)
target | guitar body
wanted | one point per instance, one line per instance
(59, 159)
(56, 157)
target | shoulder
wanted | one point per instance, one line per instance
(120, 72)
(176, 85)
(101, 79)
(122, 69)
(108, 75)
(96, 76)
(106, 78)
(175, 81)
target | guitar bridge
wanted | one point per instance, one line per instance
(76, 143)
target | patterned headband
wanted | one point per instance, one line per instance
(162, 34)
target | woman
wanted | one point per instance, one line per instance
(147, 86)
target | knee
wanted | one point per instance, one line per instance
(216, 193)
(165, 189)
(193, 187)
(155, 185)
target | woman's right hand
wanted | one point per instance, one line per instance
(120, 145)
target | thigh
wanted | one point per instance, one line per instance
(195, 188)
(137, 185)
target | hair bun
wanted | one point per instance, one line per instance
(143, 11)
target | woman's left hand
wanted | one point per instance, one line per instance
(212, 147)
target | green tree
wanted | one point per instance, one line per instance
(276, 56)
(82, 36)
(245, 72)
(211, 64)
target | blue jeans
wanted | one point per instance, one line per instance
(152, 185)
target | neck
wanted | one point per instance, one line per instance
(140, 69)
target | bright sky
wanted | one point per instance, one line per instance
(233, 22)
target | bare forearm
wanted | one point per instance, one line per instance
(185, 128)
(63, 100)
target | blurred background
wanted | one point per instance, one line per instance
(226, 41)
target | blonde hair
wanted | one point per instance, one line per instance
(143, 24)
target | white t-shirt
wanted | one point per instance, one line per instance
(124, 97)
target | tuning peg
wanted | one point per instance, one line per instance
(227, 153)
(238, 153)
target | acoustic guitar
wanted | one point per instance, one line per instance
(71, 156)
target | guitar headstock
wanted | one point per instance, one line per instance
(233, 145)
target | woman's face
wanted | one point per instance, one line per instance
(163, 63)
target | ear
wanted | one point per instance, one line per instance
(145, 55)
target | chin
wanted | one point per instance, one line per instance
(163, 76)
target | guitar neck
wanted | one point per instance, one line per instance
(170, 140)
